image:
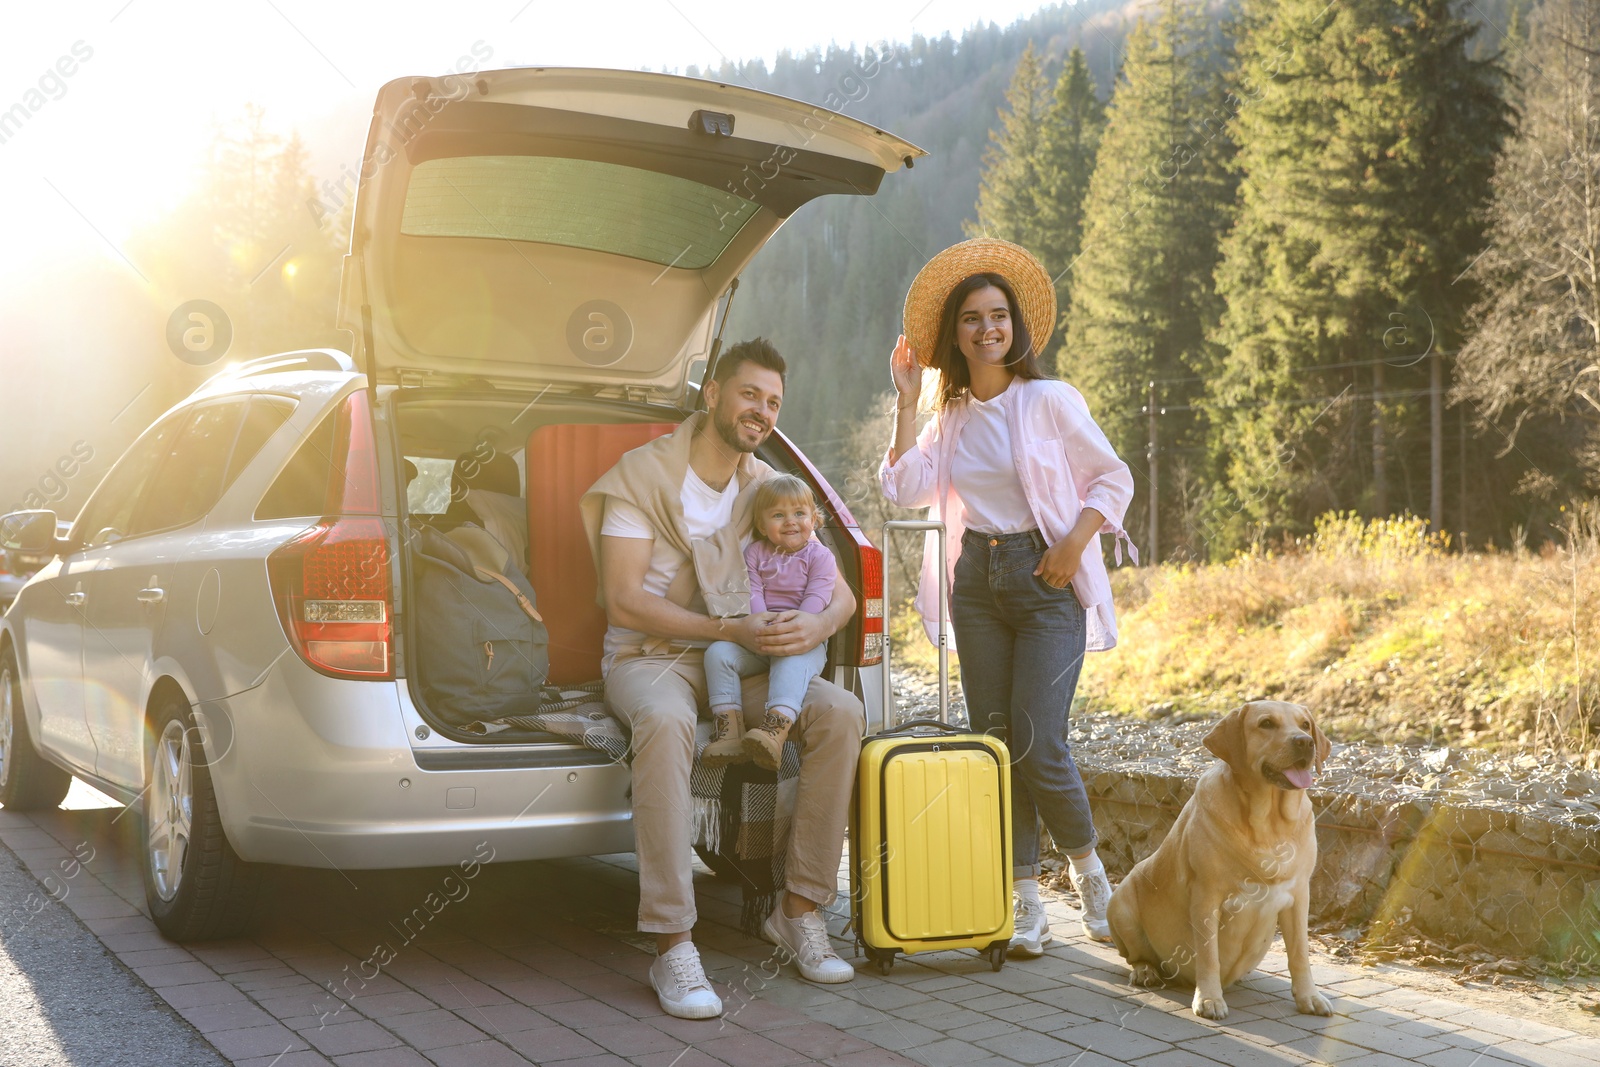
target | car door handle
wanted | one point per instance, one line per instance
(76, 599)
(152, 595)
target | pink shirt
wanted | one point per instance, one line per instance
(1064, 463)
(782, 581)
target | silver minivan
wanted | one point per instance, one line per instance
(540, 262)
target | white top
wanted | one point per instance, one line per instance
(705, 511)
(984, 473)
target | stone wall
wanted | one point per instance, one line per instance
(1511, 881)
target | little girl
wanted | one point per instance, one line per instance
(788, 572)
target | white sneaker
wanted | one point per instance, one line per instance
(681, 984)
(1032, 928)
(806, 938)
(1094, 894)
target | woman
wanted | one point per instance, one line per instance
(1025, 483)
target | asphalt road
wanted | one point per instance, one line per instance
(65, 1000)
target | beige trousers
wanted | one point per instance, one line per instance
(658, 697)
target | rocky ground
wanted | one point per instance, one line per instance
(1553, 787)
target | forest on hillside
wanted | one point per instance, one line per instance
(1273, 223)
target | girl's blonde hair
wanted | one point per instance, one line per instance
(781, 489)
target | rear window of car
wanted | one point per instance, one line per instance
(577, 203)
(301, 488)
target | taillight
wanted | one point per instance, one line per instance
(331, 583)
(870, 560)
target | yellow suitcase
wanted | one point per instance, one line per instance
(930, 833)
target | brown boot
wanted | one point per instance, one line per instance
(727, 739)
(764, 744)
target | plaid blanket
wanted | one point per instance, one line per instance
(742, 813)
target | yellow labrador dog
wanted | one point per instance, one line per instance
(1235, 866)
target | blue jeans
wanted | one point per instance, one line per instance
(787, 676)
(1021, 644)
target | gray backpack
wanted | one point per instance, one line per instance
(484, 651)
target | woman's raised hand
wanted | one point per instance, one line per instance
(906, 371)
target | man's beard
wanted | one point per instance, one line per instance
(728, 430)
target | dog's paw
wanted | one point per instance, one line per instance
(1146, 976)
(1312, 1003)
(1210, 1007)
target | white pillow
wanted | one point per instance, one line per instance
(505, 517)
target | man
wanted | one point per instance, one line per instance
(682, 503)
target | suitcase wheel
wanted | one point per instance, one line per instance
(884, 958)
(997, 954)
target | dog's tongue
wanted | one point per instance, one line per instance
(1299, 777)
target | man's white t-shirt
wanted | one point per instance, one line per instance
(705, 511)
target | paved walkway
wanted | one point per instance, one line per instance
(538, 963)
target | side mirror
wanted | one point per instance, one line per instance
(33, 532)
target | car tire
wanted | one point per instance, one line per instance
(27, 781)
(196, 886)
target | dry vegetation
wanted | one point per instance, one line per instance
(1377, 626)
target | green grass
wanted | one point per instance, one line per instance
(1378, 628)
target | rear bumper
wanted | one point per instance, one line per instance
(315, 772)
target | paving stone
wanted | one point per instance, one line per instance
(816, 1040)
(256, 1041)
(1111, 1040)
(1382, 1039)
(874, 1057)
(632, 1039)
(433, 1029)
(993, 1002)
(1239, 1052)
(1546, 1055)
(1175, 1058)
(479, 1054)
(1378, 1059)
(1521, 1029)
(846, 1013)
(887, 997)
(497, 1019)
(1467, 1037)
(362, 1035)
(1028, 1047)
(552, 1043)
(896, 1034)
(1358, 987)
(939, 1015)
(384, 1057)
(1026, 1010)
(1321, 1047)
(751, 1050)
(950, 1053)
(1483, 1056)
(687, 1056)
(979, 1031)
(940, 981)
(303, 1058)
(1024, 979)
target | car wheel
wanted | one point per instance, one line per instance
(27, 781)
(196, 886)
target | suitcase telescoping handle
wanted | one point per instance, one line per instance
(924, 526)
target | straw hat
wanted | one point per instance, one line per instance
(1036, 293)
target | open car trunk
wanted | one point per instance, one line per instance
(537, 461)
(577, 228)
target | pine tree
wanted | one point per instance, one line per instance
(1011, 190)
(1141, 295)
(1533, 364)
(1365, 153)
(1067, 148)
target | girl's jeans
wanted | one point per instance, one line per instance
(787, 676)
(1021, 644)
